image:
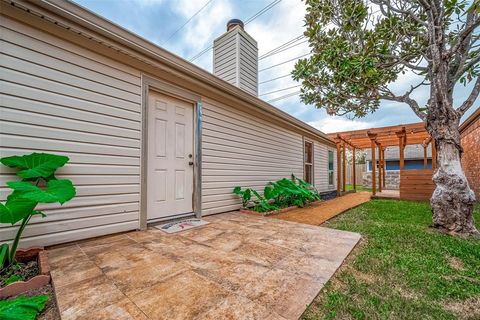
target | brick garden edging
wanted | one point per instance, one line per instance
(40, 280)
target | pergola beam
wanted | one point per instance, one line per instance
(381, 138)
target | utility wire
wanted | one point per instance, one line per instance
(270, 80)
(278, 64)
(279, 51)
(275, 91)
(283, 45)
(259, 13)
(284, 96)
(189, 19)
(255, 16)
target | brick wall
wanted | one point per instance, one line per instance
(471, 154)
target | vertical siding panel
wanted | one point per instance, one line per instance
(88, 109)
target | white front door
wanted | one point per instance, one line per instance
(170, 156)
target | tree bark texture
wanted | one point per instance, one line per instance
(452, 201)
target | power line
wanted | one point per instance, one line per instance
(278, 64)
(275, 91)
(284, 96)
(189, 19)
(255, 16)
(282, 45)
(259, 13)
(270, 80)
(283, 49)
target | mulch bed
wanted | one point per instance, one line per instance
(26, 272)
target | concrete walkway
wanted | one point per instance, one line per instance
(237, 267)
(321, 212)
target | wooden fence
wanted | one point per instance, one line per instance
(416, 184)
(360, 169)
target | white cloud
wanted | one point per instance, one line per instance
(338, 124)
(147, 3)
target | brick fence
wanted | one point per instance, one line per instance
(470, 131)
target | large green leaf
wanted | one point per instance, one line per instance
(22, 308)
(16, 208)
(35, 165)
(4, 251)
(56, 191)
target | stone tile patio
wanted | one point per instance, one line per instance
(237, 267)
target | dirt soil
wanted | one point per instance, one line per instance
(51, 311)
(24, 271)
(318, 213)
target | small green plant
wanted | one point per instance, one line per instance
(22, 308)
(38, 185)
(279, 194)
(246, 195)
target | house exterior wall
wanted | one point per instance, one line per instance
(60, 96)
(246, 151)
(471, 155)
(320, 167)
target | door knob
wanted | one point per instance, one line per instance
(190, 163)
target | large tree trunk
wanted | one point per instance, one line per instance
(452, 201)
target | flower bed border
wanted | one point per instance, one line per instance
(43, 277)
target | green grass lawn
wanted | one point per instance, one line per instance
(349, 187)
(401, 269)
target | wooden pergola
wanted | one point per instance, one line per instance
(379, 138)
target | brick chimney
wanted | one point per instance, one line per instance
(235, 57)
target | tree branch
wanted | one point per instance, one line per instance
(388, 95)
(466, 67)
(471, 98)
(409, 13)
(473, 21)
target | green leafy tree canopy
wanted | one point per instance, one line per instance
(360, 47)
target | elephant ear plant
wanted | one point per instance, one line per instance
(38, 184)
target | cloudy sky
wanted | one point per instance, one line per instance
(159, 21)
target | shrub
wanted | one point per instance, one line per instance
(279, 194)
(38, 185)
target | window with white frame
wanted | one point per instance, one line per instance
(308, 162)
(330, 167)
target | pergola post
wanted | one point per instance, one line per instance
(372, 137)
(384, 164)
(354, 170)
(344, 168)
(380, 165)
(339, 176)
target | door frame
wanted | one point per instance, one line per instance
(163, 87)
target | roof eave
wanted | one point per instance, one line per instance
(91, 21)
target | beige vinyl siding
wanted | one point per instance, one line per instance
(61, 98)
(248, 64)
(224, 57)
(321, 167)
(244, 150)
